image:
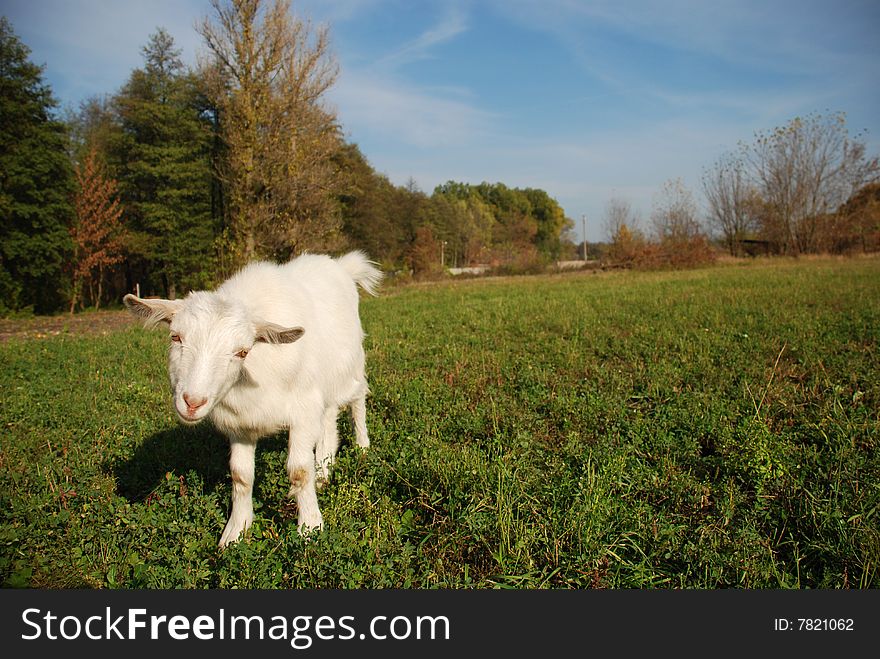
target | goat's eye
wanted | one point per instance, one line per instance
(175, 338)
(241, 354)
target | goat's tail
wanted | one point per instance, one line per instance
(362, 270)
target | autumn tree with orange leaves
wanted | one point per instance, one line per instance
(97, 231)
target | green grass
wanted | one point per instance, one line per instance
(699, 429)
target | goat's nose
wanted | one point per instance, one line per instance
(193, 404)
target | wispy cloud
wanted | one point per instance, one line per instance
(793, 36)
(382, 102)
(380, 108)
(450, 26)
(810, 46)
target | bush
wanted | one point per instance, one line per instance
(630, 249)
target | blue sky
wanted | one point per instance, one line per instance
(587, 100)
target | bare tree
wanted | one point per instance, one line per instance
(805, 170)
(626, 243)
(267, 75)
(674, 214)
(619, 215)
(732, 199)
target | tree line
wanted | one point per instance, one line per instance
(805, 187)
(186, 173)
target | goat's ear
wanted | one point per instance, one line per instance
(152, 312)
(272, 333)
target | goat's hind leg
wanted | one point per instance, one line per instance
(328, 444)
(359, 418)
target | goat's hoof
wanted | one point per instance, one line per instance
(233, 532)
(225, 540)
(309, 530)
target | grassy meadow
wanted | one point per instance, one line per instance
(699, 429)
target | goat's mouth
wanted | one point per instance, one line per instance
(189, 416)
(189, 420)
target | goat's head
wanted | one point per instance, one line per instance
(211, 337)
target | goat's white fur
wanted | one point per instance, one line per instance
(274, 347)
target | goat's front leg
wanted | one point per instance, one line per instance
(241, 466)
(301, 470)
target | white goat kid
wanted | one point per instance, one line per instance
(274, 347)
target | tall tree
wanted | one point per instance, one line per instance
(164, 154)
(805, 170)
(552, 222)
(93, 125)
(97, 231)
(367, 204)
(270, 71)
(36, 183)
(468, 223)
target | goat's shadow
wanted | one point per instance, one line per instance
(200, 454)
(179, 451)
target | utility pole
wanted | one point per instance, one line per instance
(584, 223)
